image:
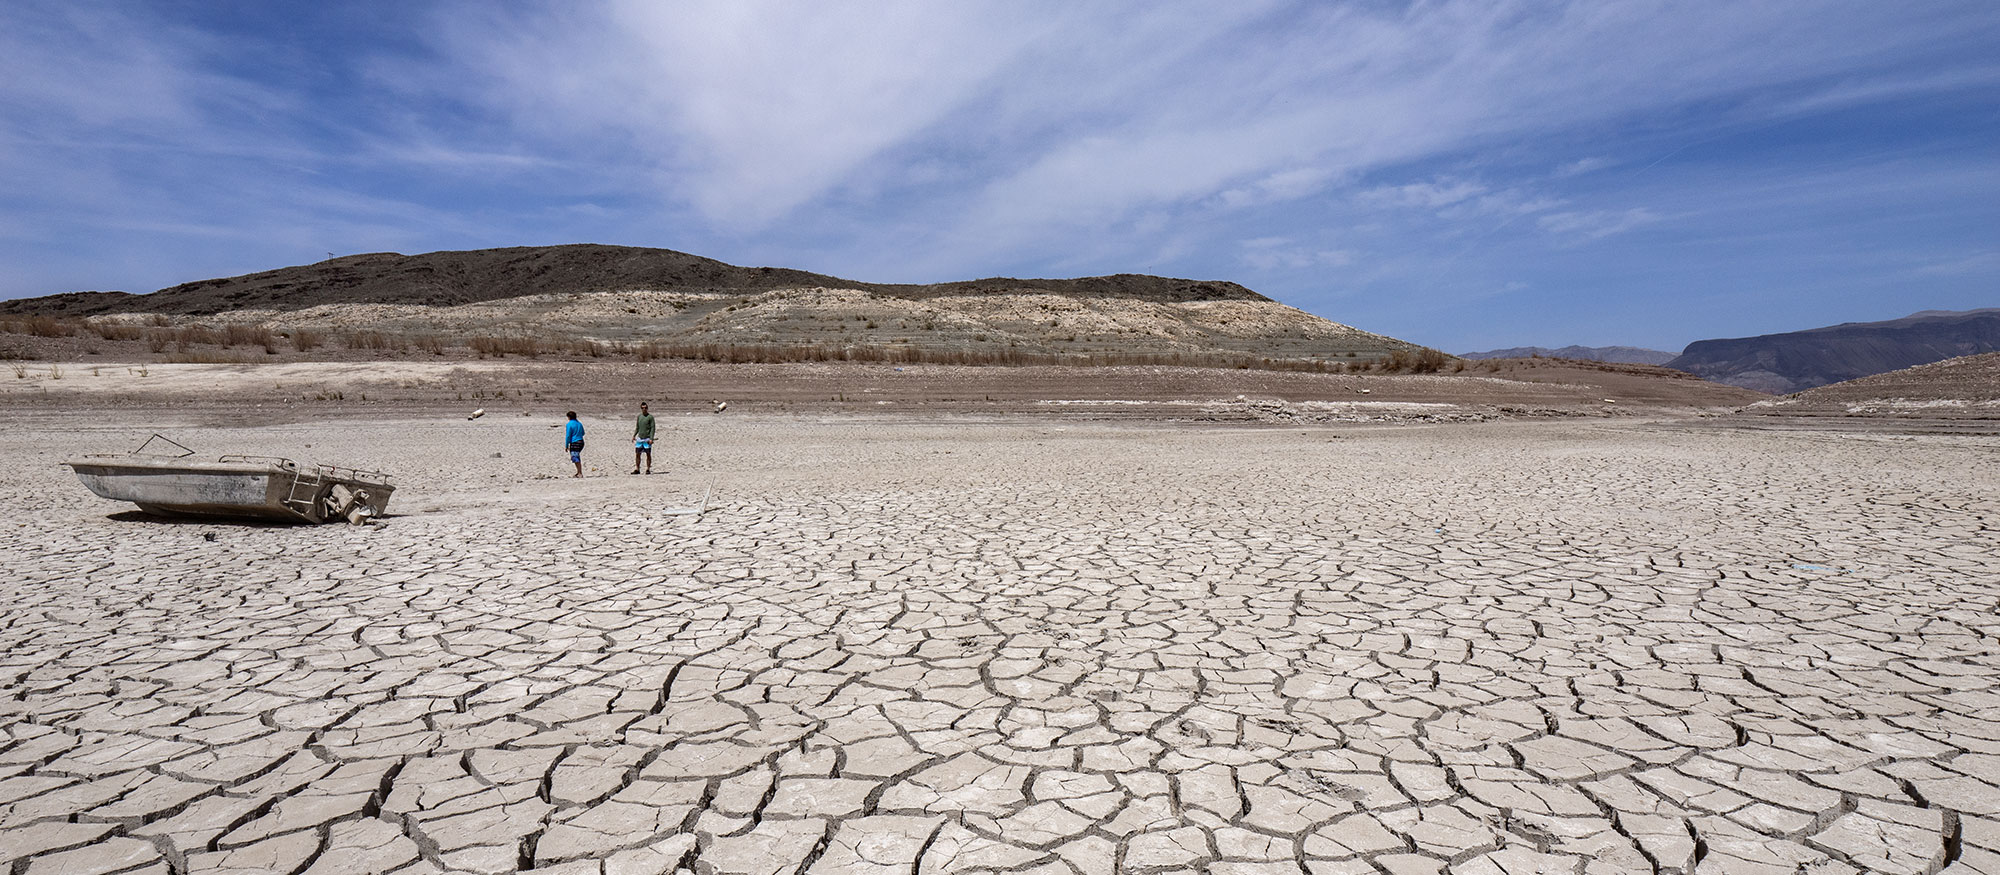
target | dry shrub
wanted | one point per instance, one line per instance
(306, 339)
(430, 343)
(501, 347)
(206, 358)
(115, 330)
(190, 334)
(39, 326)
(1422, 360)
(375, 340)
(248, 335)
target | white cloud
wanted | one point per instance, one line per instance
(1064, 116)
(1459, 199)
(1596, 224)
(1283, 185)
(1275, 253)
(750, 108)
(1429, 195)
(1582, 166)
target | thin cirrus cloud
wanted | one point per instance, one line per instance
(755, 113)
(1322, 152)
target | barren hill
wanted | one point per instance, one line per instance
(442, 279)
(624, 295)
(1797, 360)
(1967, 387)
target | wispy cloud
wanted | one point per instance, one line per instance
(1970, 265)
(1582, 166)
(755, 110)
(1436, 194)
(1275, 253)
(1597, 224)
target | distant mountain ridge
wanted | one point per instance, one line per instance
(1634, 355)
(1798, 360)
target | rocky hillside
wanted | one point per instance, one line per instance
(1790, 362)
(1967, 387)
(442, 279)
(1634, 355)
(622, 295)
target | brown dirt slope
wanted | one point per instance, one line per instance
(512, 387)
(1967, 387)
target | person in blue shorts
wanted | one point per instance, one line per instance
(642, 439)
(573, 441)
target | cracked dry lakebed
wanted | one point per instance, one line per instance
(896, 646)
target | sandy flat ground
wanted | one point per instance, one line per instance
(1021, 644)
(304, 391)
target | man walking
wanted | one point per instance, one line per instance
(642, 439)
(573, 442)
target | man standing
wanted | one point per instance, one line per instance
(642, 439)
(573, 441)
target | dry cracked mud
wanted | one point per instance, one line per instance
(1018, 647)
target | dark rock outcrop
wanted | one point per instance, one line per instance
(1798, 360)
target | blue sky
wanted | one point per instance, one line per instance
(1466, 175)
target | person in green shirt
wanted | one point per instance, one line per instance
(642, 439)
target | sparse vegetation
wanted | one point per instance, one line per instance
(501, 347)
(40, 326)
(116, 330)
(1423, 360)
(375, 340)
(249, 335)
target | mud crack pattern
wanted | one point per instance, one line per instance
(1010, 649)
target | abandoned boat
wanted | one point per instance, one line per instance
(247, 487)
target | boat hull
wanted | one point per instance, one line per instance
(276, 490)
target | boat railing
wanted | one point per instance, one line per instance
(280, 461)
(363, 474)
